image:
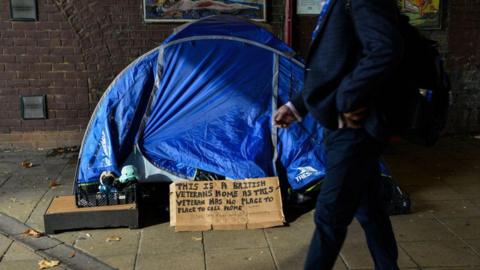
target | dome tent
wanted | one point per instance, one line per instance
(203, 101)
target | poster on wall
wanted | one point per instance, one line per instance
(189, 10)
(308, 7)
(425, 14)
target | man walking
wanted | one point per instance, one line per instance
(355, 51)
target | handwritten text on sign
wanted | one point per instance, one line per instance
(239, 204)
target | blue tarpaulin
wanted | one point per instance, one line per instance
(204, 100)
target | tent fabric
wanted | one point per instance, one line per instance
(204, 99)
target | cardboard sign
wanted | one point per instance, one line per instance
(226, 204)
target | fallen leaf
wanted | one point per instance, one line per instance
(71, 255)
(196, 238)
(26, 164)
(44, 264)
(33, 233)
(113, 238)
(53, 183)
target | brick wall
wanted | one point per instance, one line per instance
(464, 64)
(459, 41)
(72, 54)
(41, 58)
(78, 46)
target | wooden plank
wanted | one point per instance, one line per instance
(63, 215)
(65, 204)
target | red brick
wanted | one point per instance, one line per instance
(40, 83)
(48, 26)
(64, 99)
(28, 75)
(14, 50)
(51, 59)
(62, 51)
(48, 43)
(7, 59)
(37, 51)
(6, 42)
(65, 83)
(57, 106)
(23, 25)
(43, 67)
(76, 75)
(5, 25)
(16, 67)
(13, 34)
(8, 75)
(27, 59)
(8, 92)
(53, 75)
(67, 114)
(37, 35)
(56, 18)
(9, 122)
(63, 67)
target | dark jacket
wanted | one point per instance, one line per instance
(351, 62)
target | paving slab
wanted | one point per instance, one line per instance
(475, 244)
(74, 259)
(410, 229)
(294, 259)
(295, 236)
(443, 209)
(104, 242)
(459, 177)
(234, 239)
(5, 243)
(357, 256)
(36, 217)
(466, 228)
(417, 178)
(239, 259)
(18, 257)
(468, 190)
(19, 203)
(433, 192)
(120, 262)
(161, 239)
(451, 253)
(178, 260)
(10, 226)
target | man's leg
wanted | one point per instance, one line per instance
(352, 159)
(375, 221)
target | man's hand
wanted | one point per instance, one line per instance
(283, 117)
(355, 119)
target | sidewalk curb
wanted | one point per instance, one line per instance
(49, 247)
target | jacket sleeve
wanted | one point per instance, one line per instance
(299, 104)
(376, 26)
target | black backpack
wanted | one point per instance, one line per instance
(417, 108)
(420, 112)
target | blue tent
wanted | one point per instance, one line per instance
(204, 100)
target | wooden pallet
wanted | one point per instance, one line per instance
(63, 215)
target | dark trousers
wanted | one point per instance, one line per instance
(352, 188)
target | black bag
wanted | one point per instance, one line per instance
(424, 88)
(417, 107)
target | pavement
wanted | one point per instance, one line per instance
(442, 232)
